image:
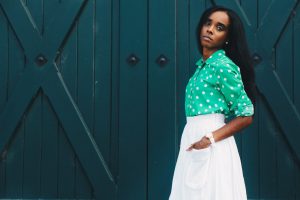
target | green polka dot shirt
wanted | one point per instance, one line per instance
(217, 87)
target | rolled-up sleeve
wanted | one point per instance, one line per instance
(232, 88)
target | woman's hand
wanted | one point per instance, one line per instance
(201, 144)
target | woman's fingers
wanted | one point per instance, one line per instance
(194, 146)
(199, 145)
(191, 147)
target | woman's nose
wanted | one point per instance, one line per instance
(210, 29)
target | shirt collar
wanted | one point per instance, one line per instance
(215, 56)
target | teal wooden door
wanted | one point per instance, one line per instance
(92, 96)
(56, 121)
(85, 87)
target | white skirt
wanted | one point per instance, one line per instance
(214, 173)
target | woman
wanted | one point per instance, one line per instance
(208, 165)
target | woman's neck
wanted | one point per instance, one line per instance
(206, 53)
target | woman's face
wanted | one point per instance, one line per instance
(214, 31)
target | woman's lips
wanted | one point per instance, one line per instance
(207, 38)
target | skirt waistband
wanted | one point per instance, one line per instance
(218, 117)
(207, 118)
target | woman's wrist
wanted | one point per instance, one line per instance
(211, 138)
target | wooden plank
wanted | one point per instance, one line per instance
(284, 59)
(267, 159)
(295, 92)
(133, 101)
(161, 97)
(297, 179)
(66, 166)
(15, 165)
(182, 71)
(114, 80)
(250, 154)
(250, 10)
(86, 190)
(296, 60)
(50, 127)
(68, 68)
(85, 85)
(49, 154)
(4, 62)
(285, 168)
(32, 149)
(4, 71)
(284, 68)
(105, 104)
(12, 112)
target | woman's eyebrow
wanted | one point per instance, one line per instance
(218, 23)
(221, 24)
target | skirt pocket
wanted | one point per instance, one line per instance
(197, 169)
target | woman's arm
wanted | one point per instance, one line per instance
(227, 130)
(232, 127)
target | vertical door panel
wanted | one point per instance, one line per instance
(3, 84)
(296, 60)
(103, 88)
(32, 150)
(250, 153)
(66, 166)
(66, 156)
(133, 100)
(161, 97)
(284, 58)
(85, 84)
(15, 153)
(14, 165)
(50, 150)
(267, 157)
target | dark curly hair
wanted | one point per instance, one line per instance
(236, 49)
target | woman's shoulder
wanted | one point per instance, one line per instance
(225, 63)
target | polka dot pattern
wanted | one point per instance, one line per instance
(217, 87)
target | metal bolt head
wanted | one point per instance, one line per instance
(41, 60)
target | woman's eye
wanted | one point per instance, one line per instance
(220, 28)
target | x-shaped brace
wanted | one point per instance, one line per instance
(42, 72)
